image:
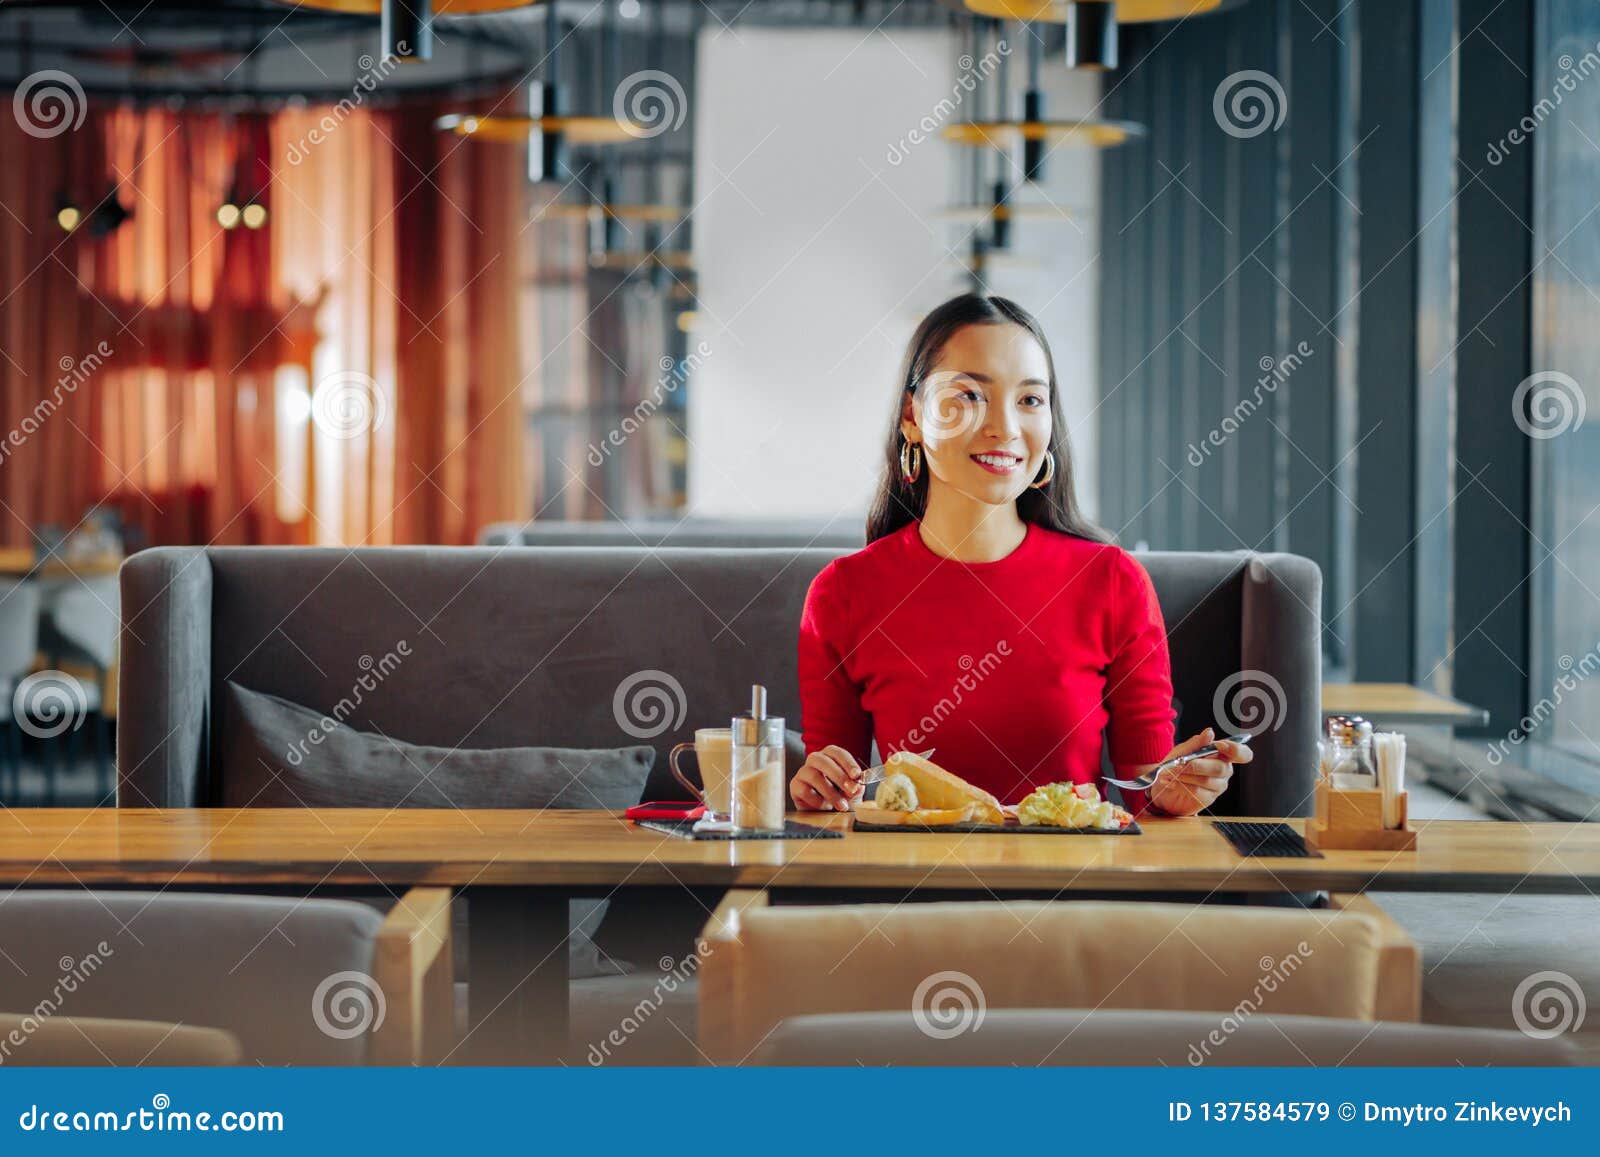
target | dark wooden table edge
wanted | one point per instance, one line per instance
(1253, 875)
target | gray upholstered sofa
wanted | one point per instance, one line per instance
(532, 646)
(517, 646)
(843, 531)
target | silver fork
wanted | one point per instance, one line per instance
(1150, 777)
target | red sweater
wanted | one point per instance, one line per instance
(1011, 670)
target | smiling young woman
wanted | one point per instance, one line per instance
(987, 618)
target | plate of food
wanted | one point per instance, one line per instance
(917, 795)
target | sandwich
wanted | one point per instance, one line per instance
(915, 790)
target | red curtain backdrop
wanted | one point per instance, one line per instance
(349, 373)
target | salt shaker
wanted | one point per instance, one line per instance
(758, 754)
(1349, 752)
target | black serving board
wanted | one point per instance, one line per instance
(1132, 829)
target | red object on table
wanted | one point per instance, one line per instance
(686, 809)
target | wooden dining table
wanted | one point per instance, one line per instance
(1400, 705)
(24, 562)
(519, 869)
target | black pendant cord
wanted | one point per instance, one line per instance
(610, 227)
(655, 60)
(1033, 108)
(974, 44)
(1000, 194)
(547, 155)
(550, 68)
(975, 192)
(1092, 35)
(407, 30)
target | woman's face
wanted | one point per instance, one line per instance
(983, 413)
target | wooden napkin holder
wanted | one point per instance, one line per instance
(1353, 821)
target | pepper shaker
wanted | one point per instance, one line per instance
(1349, 753)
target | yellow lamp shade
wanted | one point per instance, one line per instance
(440, 7)
(615, 211)
(512, 128)
(977, 214)
(1128, 11)
(1003, 134)
(671, 258)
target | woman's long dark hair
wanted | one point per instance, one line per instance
(897, 503)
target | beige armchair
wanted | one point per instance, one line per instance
(413, 963)
(104, 975)
(94, 1042)
(942, 961)
(1064, 1037)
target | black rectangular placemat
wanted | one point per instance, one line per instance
(1132, 829)
(683, 830)
(1266, 839)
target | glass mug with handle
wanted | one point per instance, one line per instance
(713, 752)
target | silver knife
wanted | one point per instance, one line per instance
(876, 773)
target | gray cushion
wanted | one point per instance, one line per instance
(281, 754)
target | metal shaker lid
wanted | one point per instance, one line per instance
(756, 726)
(1349, 729)
(748, 732)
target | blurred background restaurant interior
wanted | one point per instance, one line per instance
(1320, 276)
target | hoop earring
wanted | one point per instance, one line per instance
(1049, 472)
(910, 462)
